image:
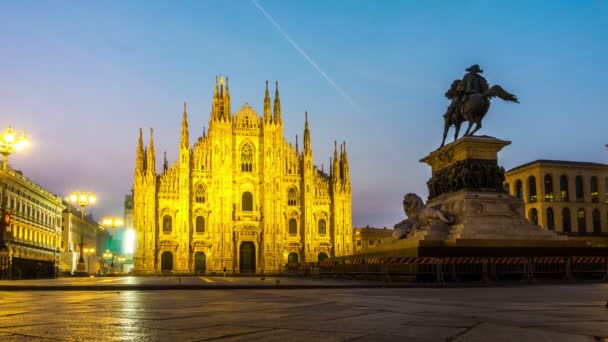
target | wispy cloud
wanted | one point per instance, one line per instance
(305, 55)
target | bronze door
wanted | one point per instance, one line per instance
(247, 257)
(200, 261)
(166, 261)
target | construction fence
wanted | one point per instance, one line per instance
(442, 269)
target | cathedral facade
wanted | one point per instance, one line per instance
(241, 198)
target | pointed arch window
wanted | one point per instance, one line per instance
(580, 215)
(247, 201)
(200, 224)
(566, 222)
(597, 224)
(563, 188)
(549, 188)
(594, 190)
(519, 189)
(578, 189)
(322, 227)
(292, 196)
(532, 189)
(167, 224)
(533, 216)
(246, 158)
(199, 194)
(550, 219)
(293, 226)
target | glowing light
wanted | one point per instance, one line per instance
(129, 244)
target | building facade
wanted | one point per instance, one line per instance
(242, 198)
(33, 235)
(93, 236)
(568, 197)
(366, 239)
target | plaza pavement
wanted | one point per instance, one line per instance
(569, 312)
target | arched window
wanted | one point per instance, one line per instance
(550, 219)
(519, 189)
(507, 188)
(533, 216)
(597, 224)
(595, 195)
(292, 196)
(566, 222)
(200, 224)
(199, 194)
(246, 158)
(580, 216)
(322, 227)
(167, 224)
(578, 189)
(532, 189)
(549, 188)
(293, 226)
(292, 258)
(247, 201)
(321, 257)
(563, 188)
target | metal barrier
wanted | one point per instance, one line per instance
(5, 266)
(456, 268)
(589, 266)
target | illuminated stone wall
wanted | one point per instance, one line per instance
(549, 188)
(240, 184)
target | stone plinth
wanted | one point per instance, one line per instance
(467, 183)
(470, 162)
(489, 216)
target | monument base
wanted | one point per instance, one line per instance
(489, 216)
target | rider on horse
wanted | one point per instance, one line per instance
(473, 82)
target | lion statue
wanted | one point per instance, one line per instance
(419, 217)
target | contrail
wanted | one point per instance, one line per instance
(305, 55)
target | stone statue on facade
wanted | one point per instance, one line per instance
(471, 101)
(419, 217)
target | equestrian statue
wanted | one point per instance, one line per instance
(471, 101)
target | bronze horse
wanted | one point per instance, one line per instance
(473, 108)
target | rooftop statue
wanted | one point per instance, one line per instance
(471, 101)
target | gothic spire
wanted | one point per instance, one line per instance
(165, 162)
(267, 115)
(214, 105)
(336, 164)
(277, 105)
(227, 112)
(185, 142)
(151, 154)
(140, 162)
(297, 148)
(345, 171)
(306, 134)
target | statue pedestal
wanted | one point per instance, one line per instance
(468, 183)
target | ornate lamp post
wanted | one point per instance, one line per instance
(11, 141)
(88, 252)
(82, 199)
(112, 221)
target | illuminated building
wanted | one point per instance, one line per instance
(366, 239)
(568, 197)
(32, 236)
(241, 198)
(94, 237)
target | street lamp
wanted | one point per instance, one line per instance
(112, 221)
(11, 141)
(82, 199)
(88, 252)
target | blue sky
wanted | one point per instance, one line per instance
(82, 77)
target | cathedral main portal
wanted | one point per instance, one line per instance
(247, 257)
